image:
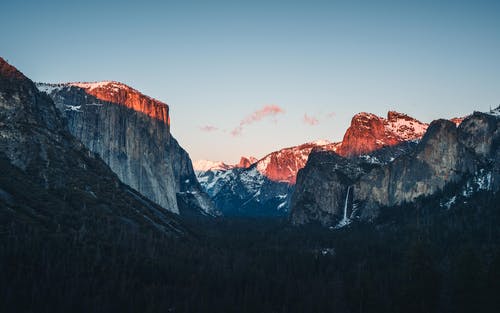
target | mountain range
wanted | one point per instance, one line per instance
(130, 132)
(101, 210)
(270, 181)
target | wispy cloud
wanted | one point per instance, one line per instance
(266, 111)
(208, 128)
(310, 120)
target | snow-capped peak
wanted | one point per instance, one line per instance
(321, 142)
(93, 85)
(207, 165)
(404, 127)
(49, 87)
(116, 93)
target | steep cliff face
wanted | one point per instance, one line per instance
(438, 160)
(467, 156)
(322, 188)
(130, 132)
(324, 191)
(480, 133)
(189, 191)
(51, 180)
(27, 118)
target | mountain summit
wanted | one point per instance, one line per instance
(369, 132)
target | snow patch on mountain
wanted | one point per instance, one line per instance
(49, 88)
(207, 165)
(94, 85)
(404, 127)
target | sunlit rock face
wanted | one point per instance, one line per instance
(131, 133)
(122, 94)
(283, 165)
(245, 162)
(466, 156)
(369, 132)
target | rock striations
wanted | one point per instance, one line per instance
(131, 133)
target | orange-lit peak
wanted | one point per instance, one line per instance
(118, 93)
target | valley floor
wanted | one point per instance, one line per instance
(421, 260)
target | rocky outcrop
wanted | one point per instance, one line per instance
(438, 160)
(131, 133)
(53, 179)
(480, 133)
(369, 132)
(322, 188)
(246, 162)
(446, 155)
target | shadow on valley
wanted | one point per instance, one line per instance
(419, 260)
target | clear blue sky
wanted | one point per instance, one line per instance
(217, 62)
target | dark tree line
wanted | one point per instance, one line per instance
(418, 258)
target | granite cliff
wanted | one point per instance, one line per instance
(51, 181)
(131, 133)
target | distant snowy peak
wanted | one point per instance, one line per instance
(116, 93)
(246, 162)
(278, 166)
(101, 84)
(206, 165)
(320, 142)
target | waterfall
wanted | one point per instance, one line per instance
(345, 219)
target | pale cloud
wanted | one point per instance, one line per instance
(310, 120)
(208, 128)
(266, 111)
